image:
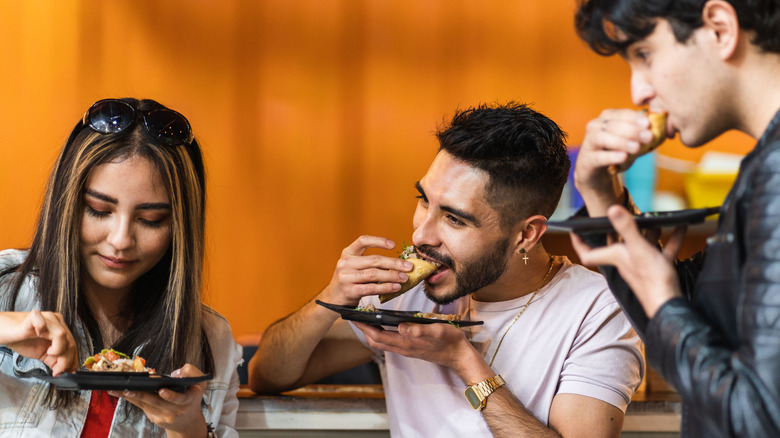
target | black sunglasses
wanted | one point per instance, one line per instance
(111, 116)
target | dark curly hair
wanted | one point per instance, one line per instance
(522, 151)
(596, 21)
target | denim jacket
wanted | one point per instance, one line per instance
(23, 412)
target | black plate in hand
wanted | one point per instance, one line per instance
(120, 381)
(387, 317)
(654, 219)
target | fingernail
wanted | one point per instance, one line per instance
(130, 394)
(408, 265)
(176, 373)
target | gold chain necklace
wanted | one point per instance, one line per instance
(552, 263)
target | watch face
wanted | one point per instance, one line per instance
(474, 400)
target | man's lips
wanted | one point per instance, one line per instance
(441, 271)
(430, 259)
(436, 276)
(114, 262)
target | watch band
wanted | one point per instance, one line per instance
(478, 393)
(486, 387)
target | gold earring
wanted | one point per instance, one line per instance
(525, 256)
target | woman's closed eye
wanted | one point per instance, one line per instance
(96, 213)
(152, 223)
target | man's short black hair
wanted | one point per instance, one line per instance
(522, 151)
(597, 20)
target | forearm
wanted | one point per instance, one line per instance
(286, 348)
(505, 415)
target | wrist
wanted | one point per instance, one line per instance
(194, 430)
(477, 393)
(598, 198)
(652, 308)
(471, 366)
(331, 295)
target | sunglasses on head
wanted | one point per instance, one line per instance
(111, 116)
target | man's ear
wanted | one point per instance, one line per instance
(529, 231)
(720, 19)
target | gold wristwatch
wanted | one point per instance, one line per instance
(478, 393)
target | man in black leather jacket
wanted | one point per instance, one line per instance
(712, 323)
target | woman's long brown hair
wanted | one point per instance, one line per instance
(165, 307)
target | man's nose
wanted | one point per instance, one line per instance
(641, 90)
(425, 233)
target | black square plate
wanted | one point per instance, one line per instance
(387, 317)
(653, 219)
(120, 381)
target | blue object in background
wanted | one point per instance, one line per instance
(576, 198)
(640, 180)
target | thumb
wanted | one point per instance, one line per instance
(674, 243)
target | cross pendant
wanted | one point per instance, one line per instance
(525, 258)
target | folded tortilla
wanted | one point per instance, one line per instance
(658, 128)
(422, 269)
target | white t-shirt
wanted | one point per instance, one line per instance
(573, 338)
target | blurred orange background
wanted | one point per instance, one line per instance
(316, 117)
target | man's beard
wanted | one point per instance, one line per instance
(471, 276)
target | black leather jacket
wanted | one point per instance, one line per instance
(720, 347)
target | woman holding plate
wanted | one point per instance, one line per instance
(116, 263)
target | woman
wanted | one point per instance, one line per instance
(116, 262)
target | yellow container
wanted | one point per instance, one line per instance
(707, 189)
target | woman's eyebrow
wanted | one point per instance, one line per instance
(101, 196)
(154, 206)
(145, 206)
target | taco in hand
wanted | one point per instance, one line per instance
(422, 269)
(658, 128)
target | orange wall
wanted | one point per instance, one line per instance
(316, 117)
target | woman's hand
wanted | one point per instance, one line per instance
(178, 413)
(40, 335)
